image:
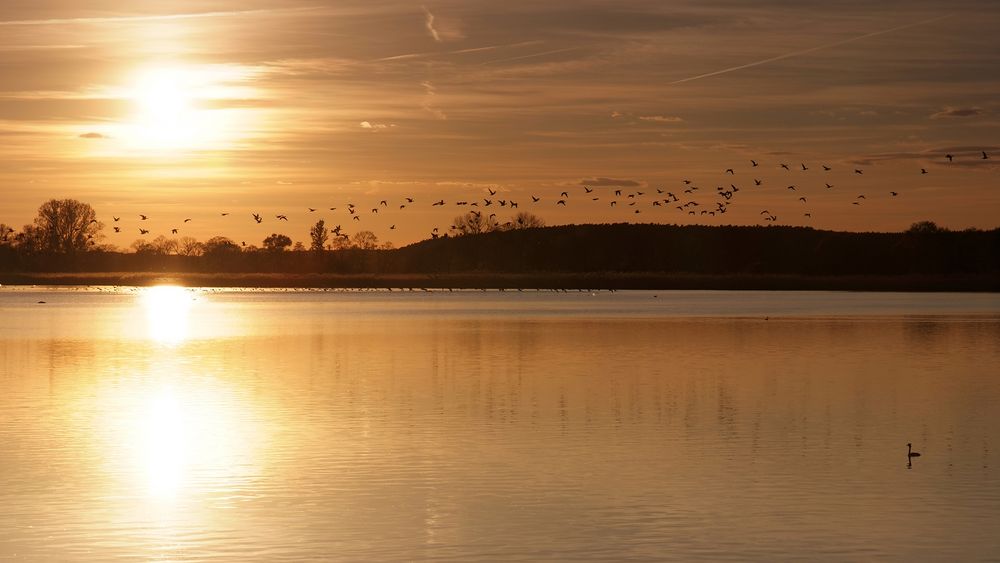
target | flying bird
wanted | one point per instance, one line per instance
(311, 209)
(173, 231)
(754, 162)
(985, 156)
(950, 157)
(116, 218)
(143, 217)
(923, 170)
(894, 194)
(785, 166)
(858, 171)
(803, 166)
(730, 171)
(826, 168)
(187, 220)
(143, 231)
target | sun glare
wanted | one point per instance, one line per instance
(167, 310)
(175, 108)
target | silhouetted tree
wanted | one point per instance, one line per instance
(365, 240)
(188, 246)
(526, 220)
(6, 235)
(472, 223)
(924, 227)
(216, 246)
(318, 236)
(277, 242)
(298, 246)
(64, 226)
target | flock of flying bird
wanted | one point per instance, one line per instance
(689, 202)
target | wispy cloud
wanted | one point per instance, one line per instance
(429, 24)
(93, 135)
(148, 18)
(610, 182)
(661, 118)
(430, 92)
(442, 31)
(809, 50)
(958, 112)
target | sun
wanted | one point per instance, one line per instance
(176, 108)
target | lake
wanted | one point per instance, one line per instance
(239, 425)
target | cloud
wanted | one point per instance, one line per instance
(661, 118)
(149, 18)
(957, 112)
(428, 104)
(376, 126)
(610, 182)
(441, 30)
(94, 135)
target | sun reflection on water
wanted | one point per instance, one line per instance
(168, 309)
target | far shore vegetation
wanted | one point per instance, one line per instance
(65, 246)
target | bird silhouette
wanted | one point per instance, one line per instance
(754, 162)
(757, 182)
(564, 194)
(950, 157)
(561, 202)
(492, 191)
(858, 171)
(894, 194)
(802, 199)
(281, 217)
(730, 171)
(224, 214)
(910, 452)
(143, 231)
(587, 190)
(311, 209)
(923, 170)
(828, 186)
(985, 156)
(803, 166)
(257, 217)
(143, 217)
(792, 187)
(116, 218)
(785, 166)
(173, 231)
(826, 168)
(118, 229)
(862, 196)
(535, 199)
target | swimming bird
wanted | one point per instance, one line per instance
(224, 214)
(910, 452)
(792, 187)
(862, 196)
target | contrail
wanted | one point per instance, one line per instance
(809, 50)
(116, 19)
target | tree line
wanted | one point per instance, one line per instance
(66, 237)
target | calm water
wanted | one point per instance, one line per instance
(268, 426)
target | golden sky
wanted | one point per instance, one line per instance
(188, 109)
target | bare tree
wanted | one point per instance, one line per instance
(318, 236)
(365, 240)
(65, 226)
(472, 223)
(526, 220)
(189, 246)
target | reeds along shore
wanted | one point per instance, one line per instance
(598, 281)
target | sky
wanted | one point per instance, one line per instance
(188, 109)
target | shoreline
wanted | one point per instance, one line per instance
(551, 281)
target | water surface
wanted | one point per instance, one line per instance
(213, 425)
